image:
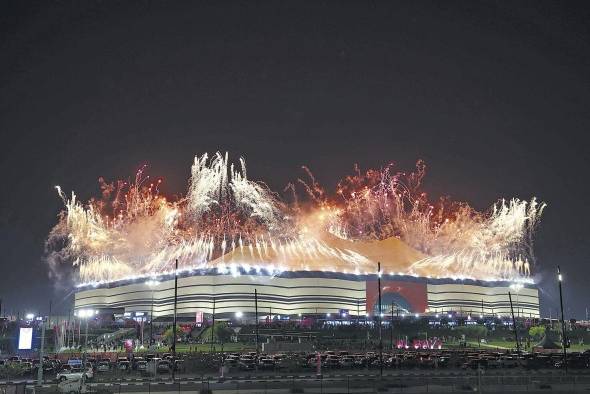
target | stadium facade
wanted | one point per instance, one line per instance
(307, 293)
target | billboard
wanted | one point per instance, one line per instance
(25, 338)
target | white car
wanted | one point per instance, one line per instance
(89, 373)
(69, 375)
(70, 386)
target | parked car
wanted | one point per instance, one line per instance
(279, 360)
(347, 362)
(89, 373)
(27, 367)
(332, 361)
(103, 366)
(69, 374)
(179, 365)
(266, 363)
(232, 360)
(141, 366)
(246, 363)
(509, 362)
(74, 385)
(163, 366)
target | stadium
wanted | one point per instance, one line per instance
(315, 253)
(318, 294)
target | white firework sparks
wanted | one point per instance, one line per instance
(228, 221)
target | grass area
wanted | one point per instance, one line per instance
(227, 347)
(498, 344)
(184, 348)
(502, 345)
(578, 348)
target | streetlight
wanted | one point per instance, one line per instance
(30, 316)
(517, 287)
(563, 336)
(152, 284)
(86, 314)
(380, 319)
(174, 321)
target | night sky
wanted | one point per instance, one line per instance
(494, 96)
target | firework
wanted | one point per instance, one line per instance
(235, 225)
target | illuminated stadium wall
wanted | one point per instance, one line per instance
(292, 293)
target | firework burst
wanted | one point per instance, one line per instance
(231, 223)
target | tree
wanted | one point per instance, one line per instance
(221, 333)
(474, 331)
(537, 332)
(169, 334)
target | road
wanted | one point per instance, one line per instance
(421, 381)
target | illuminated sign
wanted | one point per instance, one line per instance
(25, 338)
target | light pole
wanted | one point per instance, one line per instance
(84, 314)
(379, 320)
(79, 343)
(358, 312)
(68, 329)
(41, 350)
(152, 284)
(514, 326)
(174, 322)
(563, 336)
(213, 324)
(256, 318)
(391, 333)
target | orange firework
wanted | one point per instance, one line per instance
(226, 221)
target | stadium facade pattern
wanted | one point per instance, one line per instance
(291, 293)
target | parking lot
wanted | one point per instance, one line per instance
(98, 368)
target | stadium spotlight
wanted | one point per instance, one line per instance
(86, 313)
(239, 314)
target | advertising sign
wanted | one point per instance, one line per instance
(25, 338)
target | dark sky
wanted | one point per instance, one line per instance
(495, 96)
